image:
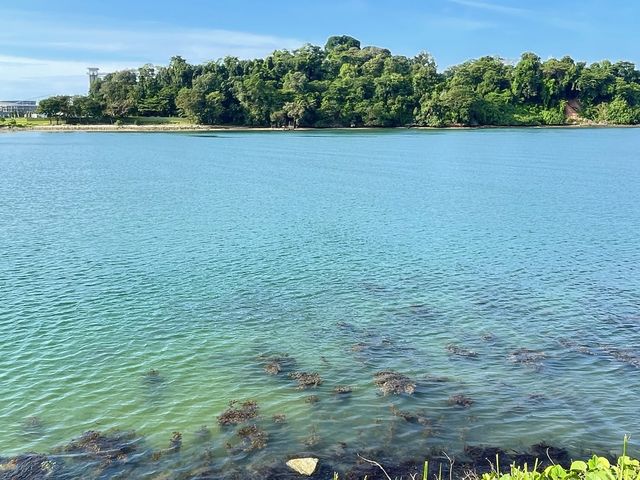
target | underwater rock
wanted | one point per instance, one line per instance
(312, 399)
(525, 356)
(342, 390)
(304, 466)
(460, 401)
(396, 383)
(235, 415)
(30, 466)
(107, 447)
(306, 379)
(458, 351)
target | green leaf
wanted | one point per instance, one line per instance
(603, 463)
(555, 472)
(578, 466)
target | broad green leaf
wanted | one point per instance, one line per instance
(578, 466)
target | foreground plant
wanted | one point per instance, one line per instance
(596, 468)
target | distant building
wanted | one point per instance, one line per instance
(17, 108)
(94, 75)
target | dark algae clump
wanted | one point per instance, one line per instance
(342, 390)
(456, 350)
(175, 444)
(30, 466)
(273, 368)
(306, 379)
(526, 356)
(460, 401)
(239, 413)
(392, 382)
(252, 438)
(273, 365)
(279, 418)
(410, 417)
(110, 447)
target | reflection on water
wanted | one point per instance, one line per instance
(393, 294)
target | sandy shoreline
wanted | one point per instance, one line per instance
(219, 128)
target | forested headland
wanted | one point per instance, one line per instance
(346, 85)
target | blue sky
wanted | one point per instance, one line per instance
(45, 45)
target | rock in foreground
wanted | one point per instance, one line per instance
(304, 466)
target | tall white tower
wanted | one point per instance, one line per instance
(93, 73)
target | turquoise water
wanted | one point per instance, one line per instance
(195, 254)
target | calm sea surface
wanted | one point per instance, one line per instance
(352, 252)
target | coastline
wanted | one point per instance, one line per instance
(230, 128)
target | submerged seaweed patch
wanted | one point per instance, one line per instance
(275, 364)
(342, 390)
(312, 399)
(392, 382)
(608, 352)
(410, 417)
(175, 444)
(460, 401)
(30, 466)
(239, 413)
(279, 418)
(456, 350)
(116, 446)
(253, 438)
(203, 434)
(525, 356)
(306, 379)
(33, 426)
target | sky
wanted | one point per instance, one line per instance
(46, 46)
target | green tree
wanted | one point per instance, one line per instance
(527, 78)
(341, 42)
(56, 107)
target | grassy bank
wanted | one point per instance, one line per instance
(177, 124)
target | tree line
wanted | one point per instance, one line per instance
(347, 85)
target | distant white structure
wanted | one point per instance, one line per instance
(94, 74)
(17, 108)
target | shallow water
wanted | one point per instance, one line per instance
(194, 255)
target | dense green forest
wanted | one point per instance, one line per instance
(345, 85)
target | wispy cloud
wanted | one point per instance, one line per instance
(540, 16)
(64, 50)
(459, 23)
(31, 78)
(492, 7)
